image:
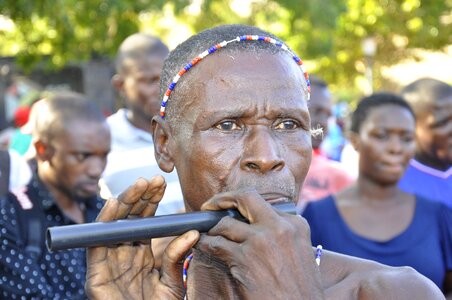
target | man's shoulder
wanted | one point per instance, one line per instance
(118, 120)
(418, 169)
(124, 135)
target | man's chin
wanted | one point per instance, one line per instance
(85, 195)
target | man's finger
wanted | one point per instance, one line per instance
(226, 250)
(153, 201)
(171, 271)
(249, 203)
(232, 229)
(108, 211)
(131, 196)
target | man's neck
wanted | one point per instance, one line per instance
(431, 162)
(138, 121)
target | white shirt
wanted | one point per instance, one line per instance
(20, 171)
(131, 157)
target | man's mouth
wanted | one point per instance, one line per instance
(91, 187)
(274, 198)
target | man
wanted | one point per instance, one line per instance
(237, 129)
(72, 140)
(138, 65)
(430, 172)
(325, 176)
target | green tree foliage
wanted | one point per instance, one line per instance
(326, 33)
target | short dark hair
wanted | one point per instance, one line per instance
(202, 41)
(61, 109)
(366, 104)
(137, 47)
(425, 91)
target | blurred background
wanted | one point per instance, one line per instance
(357, 46)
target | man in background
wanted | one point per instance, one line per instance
(429, 174)
(139, 63)
(325, 176)
(72, 140)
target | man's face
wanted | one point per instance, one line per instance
(243, 123)
(434, 133)
(141, 85)
(320, 111)
(79, 158)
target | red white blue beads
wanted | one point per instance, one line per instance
(185, 269)
(214, 48)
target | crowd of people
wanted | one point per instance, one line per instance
(229, 119)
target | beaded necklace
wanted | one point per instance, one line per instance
(223, 44)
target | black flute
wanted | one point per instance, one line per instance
(132, 230)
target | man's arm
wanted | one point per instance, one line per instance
(355, 278)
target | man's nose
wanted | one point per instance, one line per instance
(96, 166)
(261, 153)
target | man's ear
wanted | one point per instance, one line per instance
(163, 149)
(117, 81)
(354, 140)
(44, 151)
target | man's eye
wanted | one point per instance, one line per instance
(408, 138)
(81, 156)
(287, 125)
(227, 126)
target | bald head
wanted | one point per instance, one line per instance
(423, 93)
(137, 47)
(59, 110)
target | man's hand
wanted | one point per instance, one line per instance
(127, 271)
(271, 257)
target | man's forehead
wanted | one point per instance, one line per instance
(244, 70)
(238, 77)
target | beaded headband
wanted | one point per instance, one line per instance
(212, 49)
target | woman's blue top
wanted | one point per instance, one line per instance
(426, 245)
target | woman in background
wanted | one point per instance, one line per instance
(373, 218)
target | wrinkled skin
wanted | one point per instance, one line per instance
(244, 125)
(242, 141)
